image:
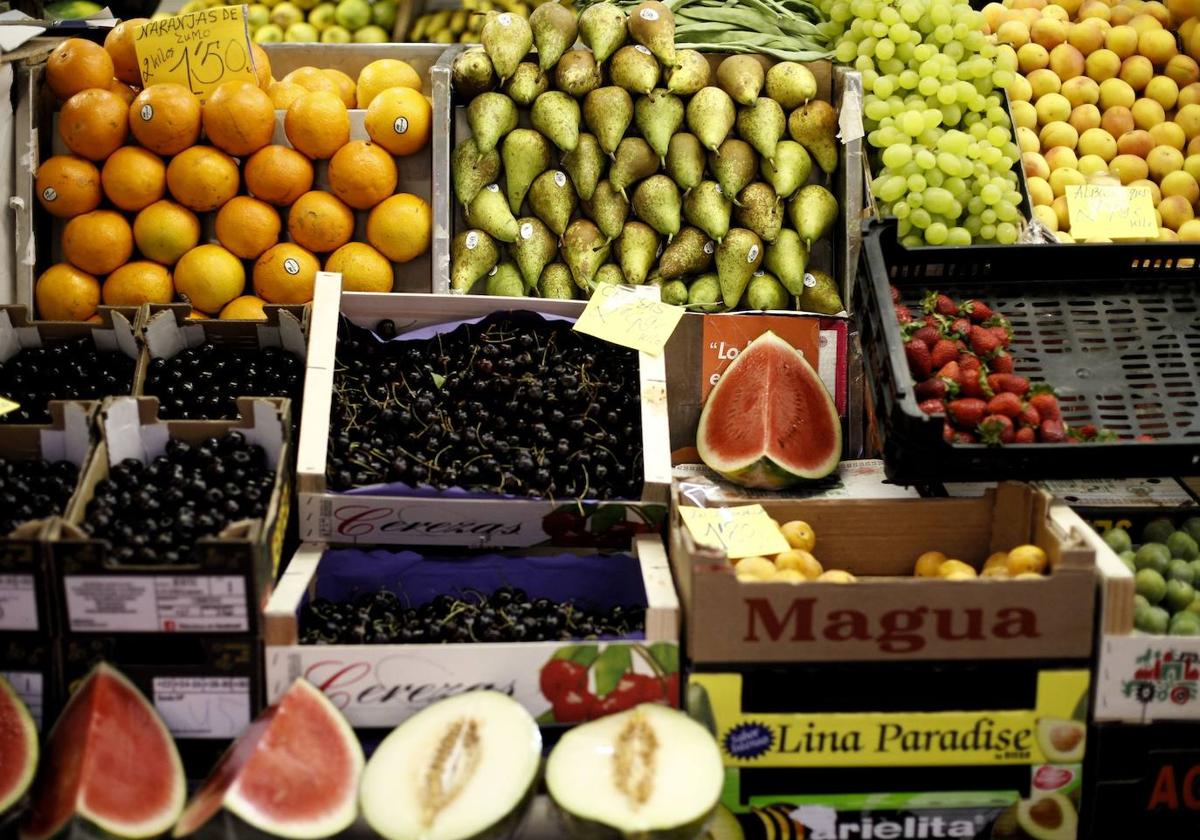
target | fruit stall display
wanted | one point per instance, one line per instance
(453, 22)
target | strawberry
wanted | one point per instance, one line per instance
(966, 413)
(902, 313)
(1144, 438)
(939, 303)
(1009, 383)
(1025, 434)
(926, 333)
(997, 429)
(976, 310)
(974, 385)
(1046, 403)
(1087, 431)
(983, 342)
(895, 294)
(1052, 430)
(919, 361)
(1006, 404)
(950, 373)
(966, 437)
(943, 352)
(960, 327)
(948, 432)
(969, 361)
(932, 406)
(1029, 416)
(1002, 362)
(936, 389)
(1003, 335)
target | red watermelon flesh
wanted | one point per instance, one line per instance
(18, 747)
(293, 773)
(109, 760)
(769, 422)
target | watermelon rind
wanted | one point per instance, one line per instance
(28, 733)
(765, 470)
(335, 821)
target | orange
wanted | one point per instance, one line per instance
(343, 86)
(202, 178)
(278, 175)
(362, 174)
(165, 118)
(262, 66)
(239, 118)
(383, 74)
(247, 226)
(197, 315)
(244, 308)
(165, 231)
(398, 119)
(363, 269)
(311, 79)
(64, 293)
(119, 43)
(400, 227)
(133, 178)
(68, 185)
(210, 277)
(317, 124)
(122, 90)
(97, 242)
(286, 274)
(138, 282)
(77, 65)
(320, 222)
(283, 94)
(93, 123)
(95, 319)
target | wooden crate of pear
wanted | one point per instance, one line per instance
(613, 186)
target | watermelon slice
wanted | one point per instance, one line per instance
(293, 773)
(18, 747)
(109, 761)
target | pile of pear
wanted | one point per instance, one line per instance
(624, 160)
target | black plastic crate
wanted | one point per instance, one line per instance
(1115, 329)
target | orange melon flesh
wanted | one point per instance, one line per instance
(18, 747)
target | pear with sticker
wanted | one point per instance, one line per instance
(602, 26)
(690, 252)
(472, 255)
(634, 69)
(708, 208)
(489, 211)
(738, 257)
(652, 25)
(472, 170)
(552, 199)
(506, 38)
(787, 259)
(526, 155)
(534, 249)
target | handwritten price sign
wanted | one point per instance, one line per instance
(631, 316)
(744, 531)
(199, 50)
(1111, 212)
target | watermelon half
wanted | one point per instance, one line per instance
(293, 773)
(18, 748)
(769, 422)
(110, 761)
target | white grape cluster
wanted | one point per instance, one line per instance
(941, 141)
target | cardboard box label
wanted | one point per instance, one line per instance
(203, 707)
(149, 604)
(30, 687)
(18, 603)
(1144, 678)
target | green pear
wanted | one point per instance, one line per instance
(674, 292)
(491, 116)
(690, 74)
(506, 38)
(634, 69)
(789, 170)
(690, 252)
(821, 294)
(760, 210)
(585, 164)
(634, 161)
(813, 212)
(489, 211)
(608, 111)
(608, 209)
(554, 30)
(656, 202)
(637, 247)
(535, 247)
(526, 84)
(602, 27)
(791, 84)
(658, 116)
(814, 126)
(738, 257)
(742, 77)
(472, 169)
(761, 125)
(766, 293)
(652, 25)
(705, 294)
(708, 208)
(556, 116)
(472, 255)
(585, 249)
(505, 281)
(556, 282)
(734, 164)
(577, 73)
(526, 155)
(710, 116)
(787, 259)
(552, 199)
(472, 73)
(685, 160)
(607, 273)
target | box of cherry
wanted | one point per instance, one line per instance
(179, 523)
(572, 635)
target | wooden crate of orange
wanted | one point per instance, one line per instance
(151, 196)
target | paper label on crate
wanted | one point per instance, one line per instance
(203, 707)
(1121, 492)
(30, 688)
(199, 50)
(631, 316)
(725, 336)
(1111, 211)
(1143, 678)
(7, 406)
(162, 603)
(18, 603)
(744, 531)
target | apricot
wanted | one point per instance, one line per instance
(1117, 120)
(1084, 117)
(1053, 107)
(1039, 190)
(1136, 71)
(1067, 61)
(1035, 165)
(1163, 90)
(1163, 160)
(1081, 91)
(1147, 113)
(1128, 168)
(1098, 142)
(1188, 118)
(1137, 142)
(1114, 92)
(1168, 133)
(1158, 45)
(1181, 183)
(1122, 40)
(1175, 210)
(1048, 33)
(1102, 64)
(1041, 82)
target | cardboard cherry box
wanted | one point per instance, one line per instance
(888, 614)
(380, 685)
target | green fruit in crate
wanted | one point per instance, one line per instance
(257, 15)
(791, 84)
(710, 116)
(637, 248)
(552, 199)
(690, 252)
(491, 116)
(787, 259)
(302, 33)
(1157, 531)
(1127, 557)
(505, 281)
(577, 73)
(1153, 556)
(337, 35)
(1179, 595)
(690, 73)
(658, 116)
(1150, 585)
(814, 126)
(738, 256)
(821, 294)
(554, 29)
(742, 77)
(608, 111)
(709, 209)
(608, 273)
(1154, 620)
(1192, 526)
(534, 249)
(585, 166)
(652, 25)
(634, 69)
(813, 212)
(72, 10)
(525, 155)
(674, 292)
(734, 165)
(1180, 544)
(1195, 564)
(556, 282)
(472, 73)
(1140, 602)
(285, 14)
(556, 116)
(384, 13)
(1118, 539)
(765, 292)
(489, 211)
(526, 84)
(656, 202)
(371, 35)
(762, 125)
(1194, 607)
(1179, 569)
(472, 255)
(685, 161)
(760, 210)
(633, 161)
(1185, 624)
(585, 249)
(790, 169)
(472, 170)
(269, 34)
(705, 294)
(608, 209)
(602, 27)
(507, 38)
(305, 5)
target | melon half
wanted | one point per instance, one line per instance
(18, 748)
(769, 422)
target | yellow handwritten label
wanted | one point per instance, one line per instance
(742, 531)
(7, 405)
(199, 50)
(631, 316)
(1111, 212)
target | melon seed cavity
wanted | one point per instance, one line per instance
(633, 761)
(454, 764)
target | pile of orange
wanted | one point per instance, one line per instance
(146, 164)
